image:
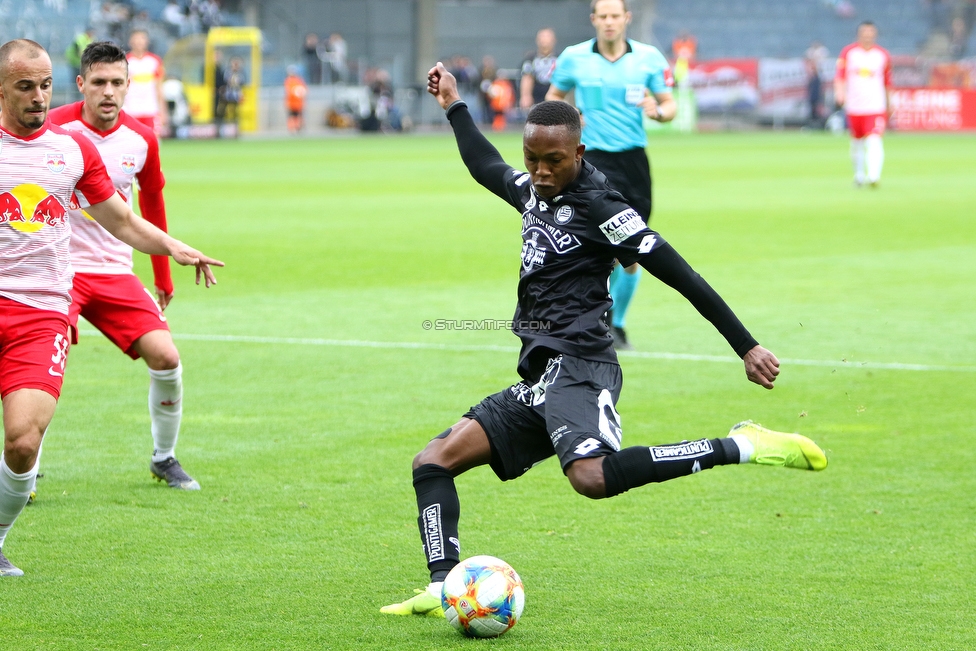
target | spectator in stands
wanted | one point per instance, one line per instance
(939, 13)
(234, 90)
(210, 15)
(468, 79)
(118, 21)
(958, 38)
(192, 10)
(220, 86)
(313, 64)
(684, 46)
(537, 69)
(815, 55)
(295, 92)
(73, 54)
(843, 8)
(338, 52)
(487, 75)
(140, 23)
(174, 18)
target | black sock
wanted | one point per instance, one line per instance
(440, 510)
(636, 466)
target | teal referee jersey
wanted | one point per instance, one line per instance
(609, 93)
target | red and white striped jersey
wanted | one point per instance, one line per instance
(867, 74)
(41, 177)
(146, 74)
(130, 152)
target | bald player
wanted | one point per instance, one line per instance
(46, 171)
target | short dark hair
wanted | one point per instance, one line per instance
(593, 5)
(555, 113)
(867, 23)
(102, 52)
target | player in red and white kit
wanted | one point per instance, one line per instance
(145, 100)
(44, 171)
(105, 291)
(862, 87)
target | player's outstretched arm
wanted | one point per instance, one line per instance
(117, 218)
(483, 161)
(665, 264)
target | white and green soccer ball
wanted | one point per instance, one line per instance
(483, 597)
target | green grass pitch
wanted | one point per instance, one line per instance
(310, 384)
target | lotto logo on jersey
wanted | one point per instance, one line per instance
(622, 225)
(128, 164)
(55, 162)
(29, 208)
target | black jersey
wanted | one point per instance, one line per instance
(569, 245)
(540, 68)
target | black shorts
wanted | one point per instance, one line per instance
(569, 411)
(629, 173)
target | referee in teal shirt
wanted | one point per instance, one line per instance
(617, 81)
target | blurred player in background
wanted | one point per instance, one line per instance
(295, 92)
(105, 291)
(862, 87)
(45, 171)
(573, 227)
(145, 100)
(537, 70)
(617, 82)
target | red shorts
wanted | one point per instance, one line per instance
(33, 348)
(118, 305)
(867, 125)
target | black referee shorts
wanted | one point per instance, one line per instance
(629, 173)
(569, 411)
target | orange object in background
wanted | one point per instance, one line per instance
(295, 92)
(502, 98)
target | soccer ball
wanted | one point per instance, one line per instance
(483, 597)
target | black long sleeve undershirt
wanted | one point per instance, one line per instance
(483, 161)
(489, 169)
(665, 264)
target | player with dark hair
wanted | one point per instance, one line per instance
(617, 82)
(573, 227)
(44, 172)
(106, 291)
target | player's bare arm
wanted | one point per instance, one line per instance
(525, 91)
(660, 107)
(840, 92)
(762, 367)
(115, 216)
(556, 95)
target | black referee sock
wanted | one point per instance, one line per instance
(636, 466)
(440, 510)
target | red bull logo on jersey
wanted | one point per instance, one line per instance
(128, 164)
(55, 162)
(28, 208)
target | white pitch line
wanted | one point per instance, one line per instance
(419, 345)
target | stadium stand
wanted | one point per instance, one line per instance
(750, 28)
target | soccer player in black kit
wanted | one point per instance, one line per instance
(573, 227)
